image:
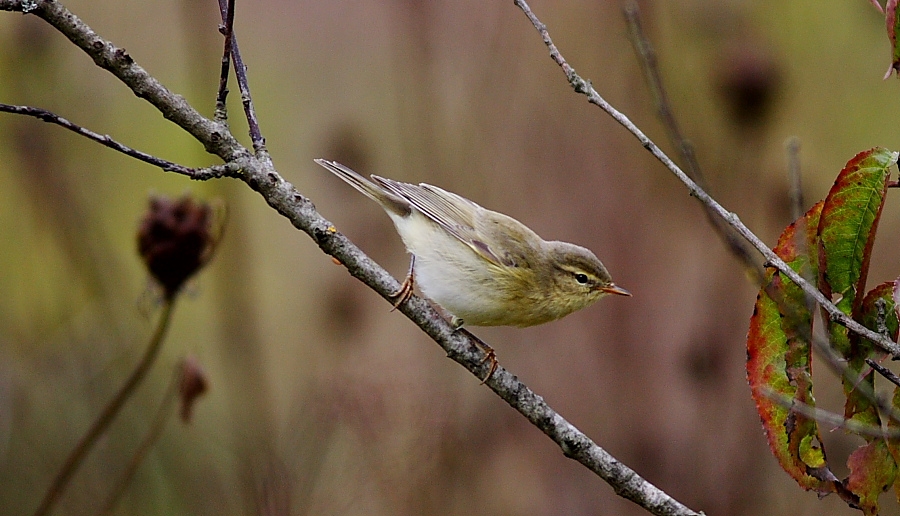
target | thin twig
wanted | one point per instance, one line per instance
(227, 30)
(109, 412)
(650, 65)
(830, 418)
(106, 140)
(834, 360)
(839, 367)
(226, 7)
(884, 371)
(584, 87)
(214, 136)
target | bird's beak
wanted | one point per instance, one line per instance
(615, 289)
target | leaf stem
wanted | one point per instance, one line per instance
(156, 429)
(112, 409)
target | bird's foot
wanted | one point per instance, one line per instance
(489, 354)
(406, 288)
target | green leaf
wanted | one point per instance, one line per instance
(832, 243)
(778, 359)
(846, 234)
(848, 223)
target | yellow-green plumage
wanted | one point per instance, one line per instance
(483, 267)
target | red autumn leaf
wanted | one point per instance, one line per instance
(872, 471)
(779, 360)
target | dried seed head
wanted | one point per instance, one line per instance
(175, 239)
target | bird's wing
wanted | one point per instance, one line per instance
(454, 213)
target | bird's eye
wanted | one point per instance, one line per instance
(581, 278)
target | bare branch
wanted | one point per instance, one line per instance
(830, 418)
(584, 87)
(106, 140)
(227, 30)
(226, 7)
(884, 371)
(213, 135)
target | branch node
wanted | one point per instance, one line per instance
(122, 54)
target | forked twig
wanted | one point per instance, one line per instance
(226, 7)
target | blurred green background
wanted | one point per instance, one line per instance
(321, 400)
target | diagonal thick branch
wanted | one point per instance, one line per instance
(584, 87)
(259, 173)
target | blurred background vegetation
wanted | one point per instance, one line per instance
(323, 402)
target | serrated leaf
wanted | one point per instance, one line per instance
(778, 359)
(846, 233)
(872, 471)
(848, 223)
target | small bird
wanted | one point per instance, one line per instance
(482, 267)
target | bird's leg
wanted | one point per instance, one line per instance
(489, 354)
(406, 288)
